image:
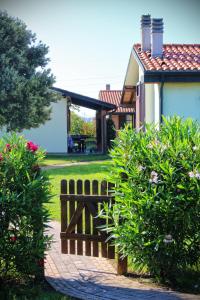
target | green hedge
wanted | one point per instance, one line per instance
(156, 217)
(23, 191)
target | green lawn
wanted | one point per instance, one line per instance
(98, 170)
(63, 159)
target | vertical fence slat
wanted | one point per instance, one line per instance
(111, 249)
(121, 265)
(95, 191)
(72, 209)
(64, 243)
(80, 220)
(87, 220)
(104, 190)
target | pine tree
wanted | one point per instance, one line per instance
(25, 82)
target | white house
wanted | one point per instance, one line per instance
(52, 136)
(162, 79)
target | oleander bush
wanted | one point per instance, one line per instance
(24, 190)
(156, 216)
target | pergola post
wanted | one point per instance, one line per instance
(104, 131)
(98, 130)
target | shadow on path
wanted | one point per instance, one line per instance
(93, 278)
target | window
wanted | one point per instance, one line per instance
(129, 119)
(125, 119)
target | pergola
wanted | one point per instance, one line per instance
(102, 108)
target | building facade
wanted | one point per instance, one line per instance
(162, 79)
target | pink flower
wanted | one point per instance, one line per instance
(191, 174)
(197, 175)
(41, 262)
(13, 238)
(154, 177)
(31, 146)
(8, 147)
(194, 174)
(141, 168)
(36, 168)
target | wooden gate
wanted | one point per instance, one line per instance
(81, 228)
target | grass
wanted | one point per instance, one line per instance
(30, 291)
(98, 170)
(52, 159)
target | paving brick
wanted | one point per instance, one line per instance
(92, 278)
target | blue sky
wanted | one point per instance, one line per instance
(90, 40)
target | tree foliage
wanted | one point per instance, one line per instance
(25, 82)
(80, 126)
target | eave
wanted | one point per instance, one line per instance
(171, 76)
(85, 101)
(167, 76)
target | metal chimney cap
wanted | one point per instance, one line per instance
(107, 87)
(146, 20)
(157, 25)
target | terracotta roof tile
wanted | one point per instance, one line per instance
(176, 57)
(114, 97)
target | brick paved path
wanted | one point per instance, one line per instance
(91, 278)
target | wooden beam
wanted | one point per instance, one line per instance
(82, 237)
(82, 198)
(75, 217)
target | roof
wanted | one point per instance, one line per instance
(176, 57)
(85, 101)
(114, 97)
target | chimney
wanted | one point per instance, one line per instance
(157, 38)
(107, 87)
(146, 32)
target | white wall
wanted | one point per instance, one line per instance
(149, 103)
(182, 99)
(157, 110)
(52, 136)
(132, 74)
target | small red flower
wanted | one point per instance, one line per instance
(13, 238)
(7, 148)
(31, 146)
(36, 168)
(41, 262)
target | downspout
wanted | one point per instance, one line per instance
(68, 103)
(161, 99)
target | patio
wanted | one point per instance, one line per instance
(102, 108)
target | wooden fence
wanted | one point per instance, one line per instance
(81, 228)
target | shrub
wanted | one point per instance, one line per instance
(23, 191)
(156, 216)
(111, 132)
